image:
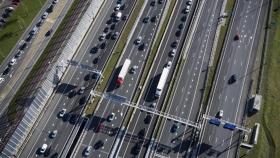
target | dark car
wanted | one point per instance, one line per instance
(178, 33)
(142, 46)
(113, 26)
(184, 18)
(19, 53)
(124, 17)
(153, 3)
(174, 128)
(95, 60)
(74, 118)
(106, 30)
(160, 1)
(136, 149)
(146, 19)
(49, 32)
(141, 133)
(66, 117)
(6, 71)
(29, 38)
(50, 8)
(174, 44)
(40, 22)
(237, 37)
(154, 19)
(55, 155)
(23, 46)
(232, 79)
(148, 119)
(72, 93)
(181, 26)
(94, 50)
(99, 144)
(103, 45)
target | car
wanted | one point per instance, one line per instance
(181, 26)
(133, 69)
(34, 30)
(102, 36)
(220, 114)
(2, 80)
(146, 19)
(187, 9)
(232, 79)
(124, 17)
(94, 50)
(109, 35)
(74, 118)
(111, 117)
(189, 2)
(184, 19)
(6, 71)
(53, 134)
(172, 52)
(142, 46)
(95, 60)
(55, 1)
(138, 40)
(66, 117)
(50, 8)
(87, 150)
(136, 149)
(115, 35)
(160, 1)
(55, 155)
(174, 127)
(23, 46)
(122, 7)
(9, 9)
(153, 105)
(81, 90)
(3, 20)
(148, 119)
(237, 37)
(40, 22)
(62, 113)
(153, 3)
(106, 30)
(103, 45)
(169, 63)
(72, 93)
(19, 53)
(98, 144)
(178, 33)
(43, 148)
(48, 33)
(119, 1)
(29, 38)
(113, 26)
(154, 19)
(45, 15)
(175, 44)
(141, 133)
(117, 8)
(12, 62)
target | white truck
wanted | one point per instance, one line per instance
(162, 81)
(123, 72)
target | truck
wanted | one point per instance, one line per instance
(162, 81)
(123, 72)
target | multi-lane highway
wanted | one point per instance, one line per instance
(238, 59)
(185, 103)
(103, 130)
(74, 79)
(143, 122)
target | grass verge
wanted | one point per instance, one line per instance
(217, 54)
(269, 137)
(110, 65)
(17, 24)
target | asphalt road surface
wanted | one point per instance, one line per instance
(139, 124)
(185, 102)
(75, 78)
(100, 129)
(238, 58)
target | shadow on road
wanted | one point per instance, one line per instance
(150, 92)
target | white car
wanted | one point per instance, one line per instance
(62, 112)
(117, 8)
(188, 8)
(87, 151)
(45, 15)
(111, 117)
(43, 148)
(1, 80)
(172, 52)
(12, 62)
(55, 1)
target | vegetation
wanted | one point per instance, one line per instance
(17, 24)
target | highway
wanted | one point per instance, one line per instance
(73, 80)
(238, 58)
(100, 129)
(34, 48)
(186, 100)
(139, 122)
